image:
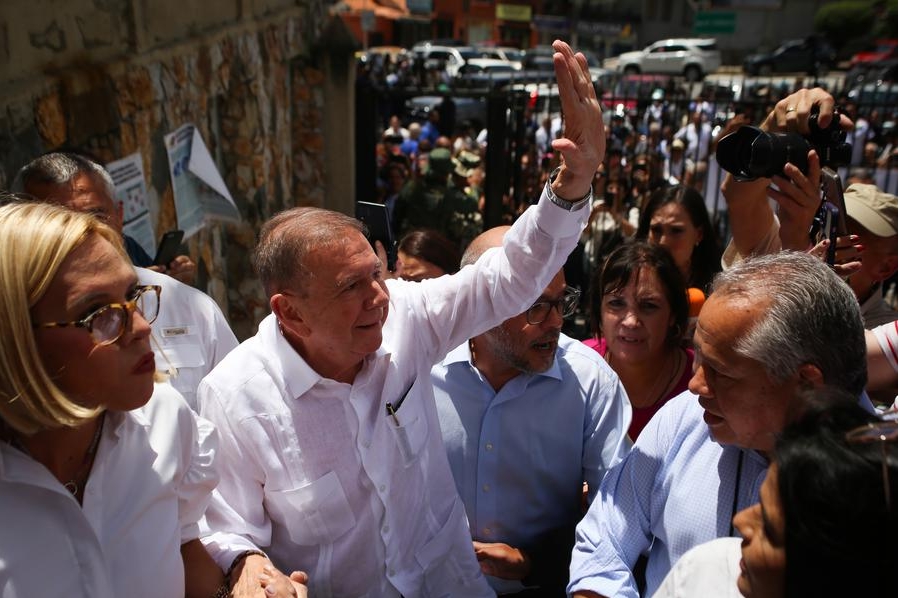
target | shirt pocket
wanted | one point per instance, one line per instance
(409, 426)
(316, 513)
(182, 355)
(444, 575)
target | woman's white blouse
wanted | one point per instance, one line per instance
(148, 488)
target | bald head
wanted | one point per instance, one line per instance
(486, 240)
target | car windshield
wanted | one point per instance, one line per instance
(709, 46)
(469, 53)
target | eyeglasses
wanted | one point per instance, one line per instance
(537, 313)
(883, 431)
(108, 323)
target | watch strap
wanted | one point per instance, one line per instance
(565, 204)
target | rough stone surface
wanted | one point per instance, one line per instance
(249, 86)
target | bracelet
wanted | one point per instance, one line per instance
(238, 560)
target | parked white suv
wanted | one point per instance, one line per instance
(691, 57)
(450, 58)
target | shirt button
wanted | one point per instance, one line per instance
(385, 529)
(366, 444)
(391, 572)
(382, 488)
(489, 446)
(486, 487)
(487, 531)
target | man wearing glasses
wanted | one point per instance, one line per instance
(528, 415)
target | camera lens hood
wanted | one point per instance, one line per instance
(750, 153)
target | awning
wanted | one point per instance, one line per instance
(388, 9)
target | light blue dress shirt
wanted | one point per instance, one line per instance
(674, 490)
(520, 456)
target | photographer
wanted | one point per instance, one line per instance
(754, 226)
(870, 214)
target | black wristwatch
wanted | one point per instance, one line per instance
(565, 204)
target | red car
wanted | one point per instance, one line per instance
(633, 92)
(880, 50)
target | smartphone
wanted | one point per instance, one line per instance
(833, 194)
(377, 220)
(169, 245)
(831, 216)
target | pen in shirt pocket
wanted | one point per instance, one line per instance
(392, 408)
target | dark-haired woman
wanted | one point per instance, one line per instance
(676, 218)
(638, 313)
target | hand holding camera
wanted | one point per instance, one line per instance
(802, 122)
(801, 138)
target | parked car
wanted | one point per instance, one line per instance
(880, 50)
(633, 92)
(485, 73)
(691, 57)
(811, 55)
(470, 109)
(450, 58)
(395, 53)
(540, 58)
(445, 41)
(875, 63)
(513, 56)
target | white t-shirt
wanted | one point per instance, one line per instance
(709, 570)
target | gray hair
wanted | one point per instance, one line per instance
(58, 168)
(288, 238)
(811, 317)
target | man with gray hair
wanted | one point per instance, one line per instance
(47, 175)
(334, 463)
(191, 335)
(773, 325)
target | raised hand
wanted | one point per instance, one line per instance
(583, 146)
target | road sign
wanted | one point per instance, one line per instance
(714, 21)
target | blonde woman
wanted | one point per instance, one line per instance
(103, 475)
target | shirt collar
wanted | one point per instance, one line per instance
(462, 354)
(298, 376)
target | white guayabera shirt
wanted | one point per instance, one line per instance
(317, 474)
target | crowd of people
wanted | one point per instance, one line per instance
(432, 431)
(669, 138)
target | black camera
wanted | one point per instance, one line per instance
(750, 153)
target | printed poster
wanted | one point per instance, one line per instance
(200, 192)
(131, 194)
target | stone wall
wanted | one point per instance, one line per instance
(112, 77)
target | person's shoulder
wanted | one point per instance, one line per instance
(585, 362)
(180, 297)
(252, 368)
(172, 289)
(573, 349)
(166, 407)
(679, 426)
(708, 569)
